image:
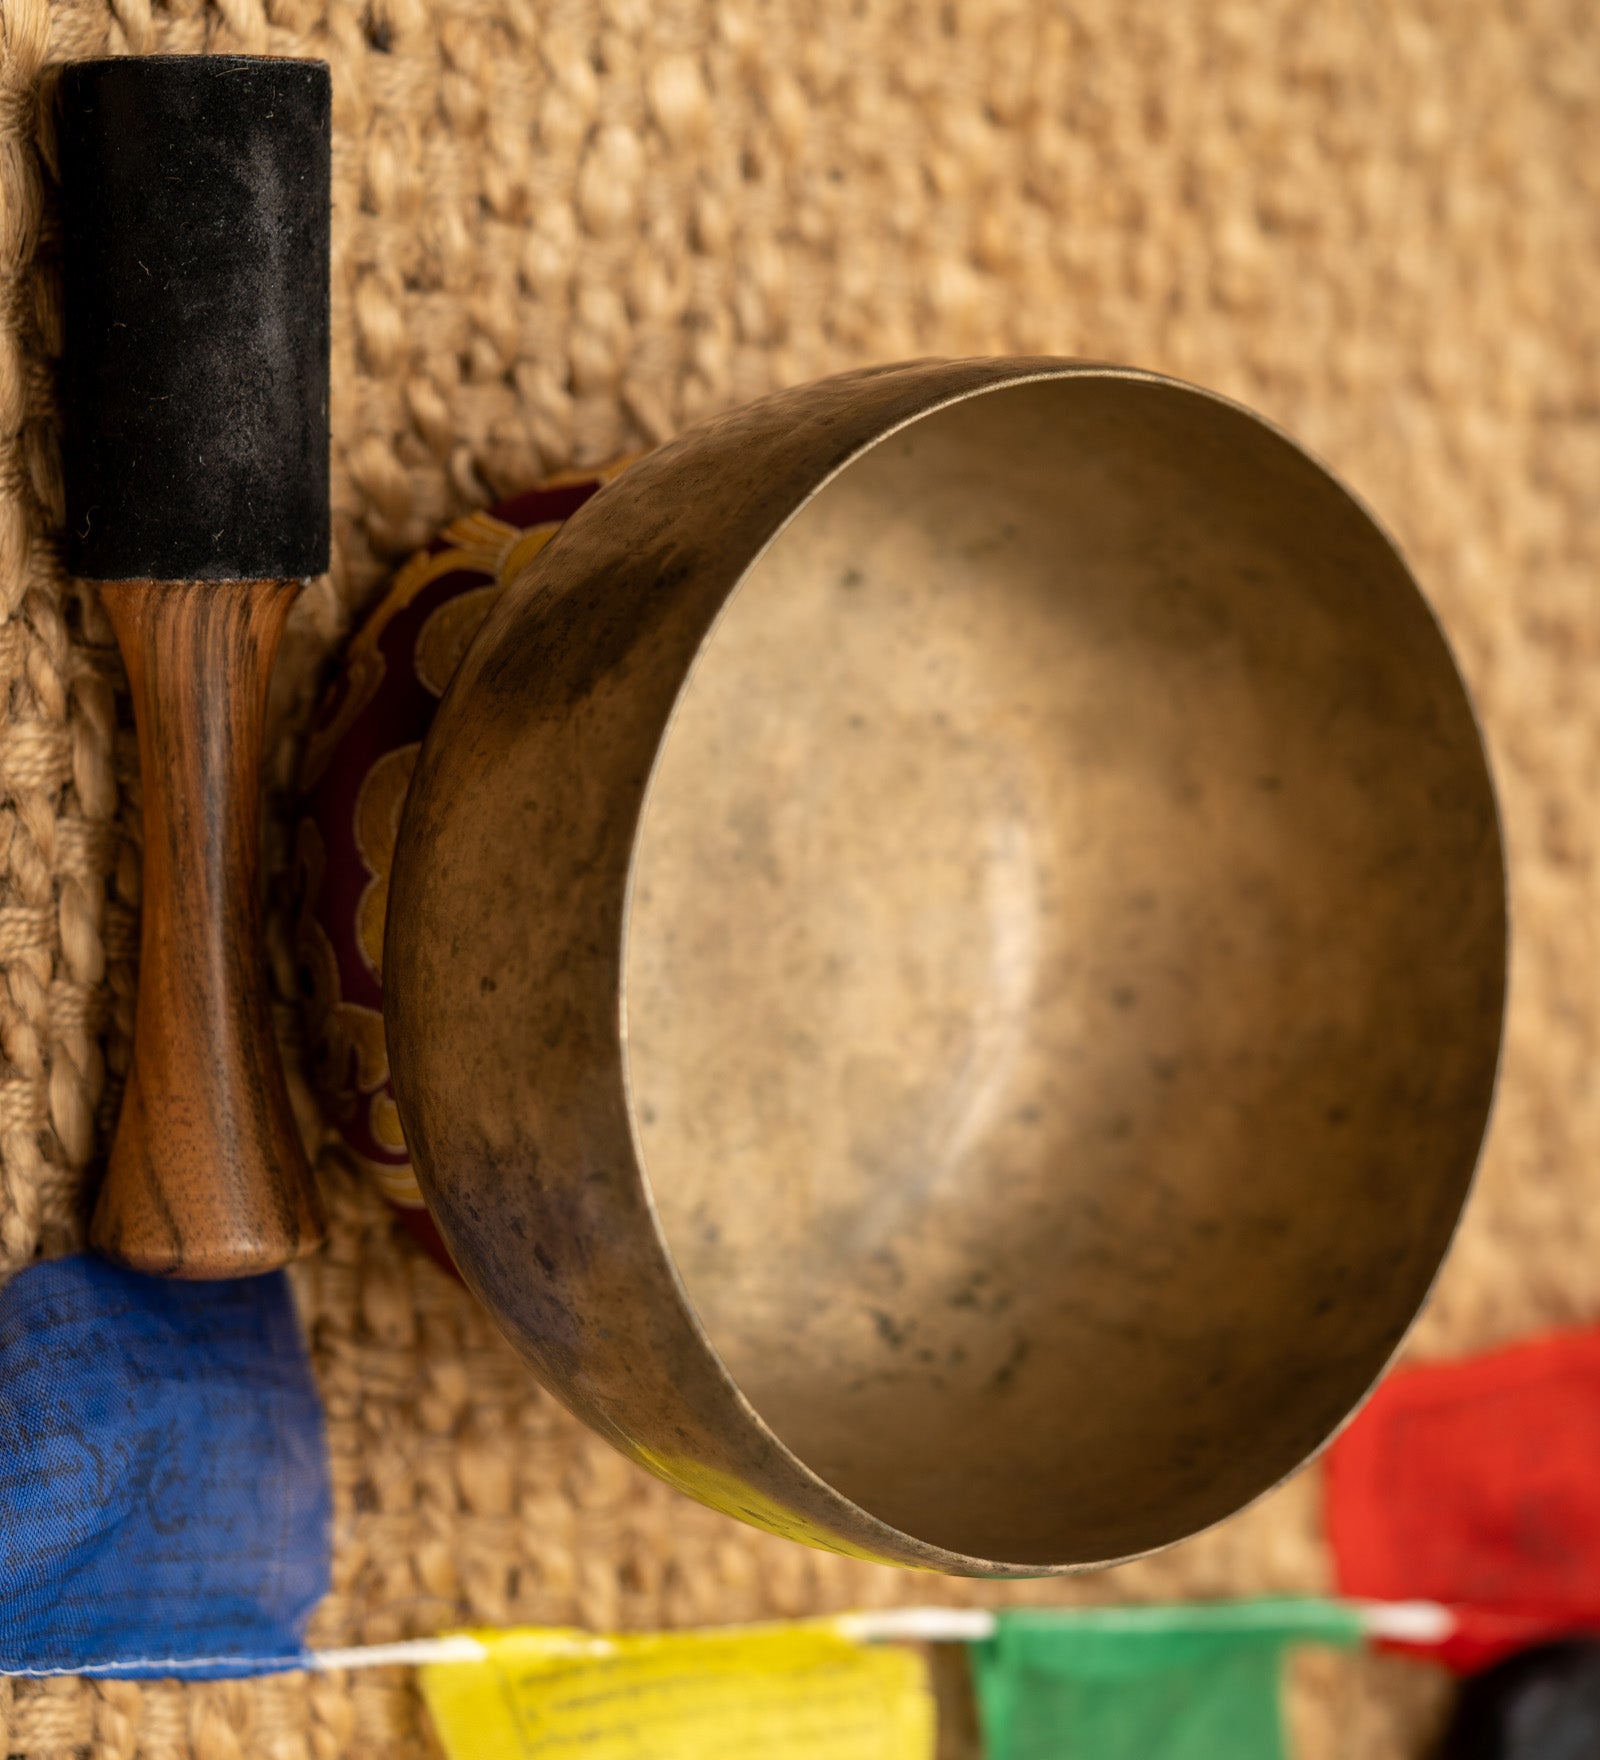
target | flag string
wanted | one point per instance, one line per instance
(1409, 1622)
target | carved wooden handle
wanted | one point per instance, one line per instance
(207, 1176)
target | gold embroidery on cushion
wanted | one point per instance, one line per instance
(444, 638)
(378, 806)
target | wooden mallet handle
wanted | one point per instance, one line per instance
(207, 1175)
(195, 202)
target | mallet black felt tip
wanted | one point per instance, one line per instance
(195, 209)
(195, 218)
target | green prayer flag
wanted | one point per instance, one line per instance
(1146, 1683)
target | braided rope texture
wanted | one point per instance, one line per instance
(563, 229)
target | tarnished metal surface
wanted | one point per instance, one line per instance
(1046, 943)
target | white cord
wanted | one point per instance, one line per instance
(919, 1625)
(411, 1652)
(1408, 1622)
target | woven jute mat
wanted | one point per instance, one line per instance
(564, 228)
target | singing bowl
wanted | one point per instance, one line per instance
(945, 961)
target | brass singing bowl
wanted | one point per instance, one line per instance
(946, 957)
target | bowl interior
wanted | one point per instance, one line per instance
(1064, 969)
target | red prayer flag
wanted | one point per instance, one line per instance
(1477, 1484)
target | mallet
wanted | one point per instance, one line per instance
(195, 204)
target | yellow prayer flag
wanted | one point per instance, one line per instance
(798, 1692)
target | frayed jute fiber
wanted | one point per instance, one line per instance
(565, 228)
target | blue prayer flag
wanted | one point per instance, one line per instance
(164, 1499)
